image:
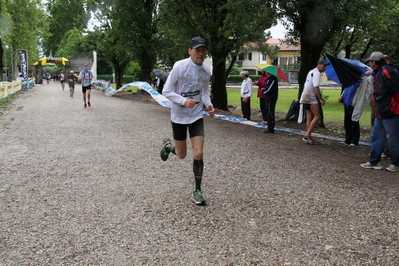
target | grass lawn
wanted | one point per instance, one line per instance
(333, 111)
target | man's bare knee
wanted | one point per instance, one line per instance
(198, 154)
(181, 155)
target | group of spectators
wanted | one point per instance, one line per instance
(267, 94)
(384, 102)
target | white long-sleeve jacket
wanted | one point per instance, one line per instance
(246, 88)
(187, 80)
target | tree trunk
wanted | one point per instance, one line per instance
(146, 69)
(119, 76)
(219, 85)
(310, 54)
(2, 59)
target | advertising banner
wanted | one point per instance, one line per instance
(3, 91)
(10, 88)
(23, 56)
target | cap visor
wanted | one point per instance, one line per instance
(199, 45)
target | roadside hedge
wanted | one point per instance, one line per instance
(238, 78)
(129, 79)
(126, 79)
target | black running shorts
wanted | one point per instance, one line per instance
(195, 129)
(306, 106)
(85, 88)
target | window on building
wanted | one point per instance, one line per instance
(283, 61)
(250, 56)
(264, 57)
(241, 56)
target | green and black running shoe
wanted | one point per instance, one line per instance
(164, 152)
(198, 197)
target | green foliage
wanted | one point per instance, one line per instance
(69, 46)
(226, 24)
(135, 23)
(235, 70)
(18, 23)
(64, 16)
(50, 68)
(133, 69)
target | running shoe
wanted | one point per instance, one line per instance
(392, 168)
(311, 141)
(198, 197)
(343, 144)
(352, 146)
(368, 165)
(85, 105)
(88, 103)
(164, 151)
(305, 139)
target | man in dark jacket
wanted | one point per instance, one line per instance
(385, 103)
(271, 94)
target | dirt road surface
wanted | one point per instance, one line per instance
(87, 187)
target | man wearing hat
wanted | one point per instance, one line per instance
(187, 88)
(86, 76)
(71, 82)
(385, 104)
(246, 93)
(311, 98)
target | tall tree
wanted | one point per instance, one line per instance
(5, 30)
(135, 22)
(226, 24)
(64, 15)
(364, 27)
(28, 28)
(314, 23)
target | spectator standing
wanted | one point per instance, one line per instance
(352, 128)
(86, 76)
(160, 84)
(71, 82)
(261, 84)
(311, 100)
(270, 93)
(187, 89)
(385, 104)
(246, 93)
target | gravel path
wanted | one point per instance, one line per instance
(87, 187)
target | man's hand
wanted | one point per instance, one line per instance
(190, 103)
(211, 111)
(322, 102)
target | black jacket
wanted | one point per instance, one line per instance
(385, 99)
(271, 89)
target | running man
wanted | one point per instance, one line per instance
(86, 76)
(187, 89)
(71, 82)
(62, 79)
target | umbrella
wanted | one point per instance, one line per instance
(160, 74)
(275, 71)
(345, 72)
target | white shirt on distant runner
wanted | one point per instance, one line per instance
(312, 80)
(187, 80)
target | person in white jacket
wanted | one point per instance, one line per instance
(246, 93)
(187, 89)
